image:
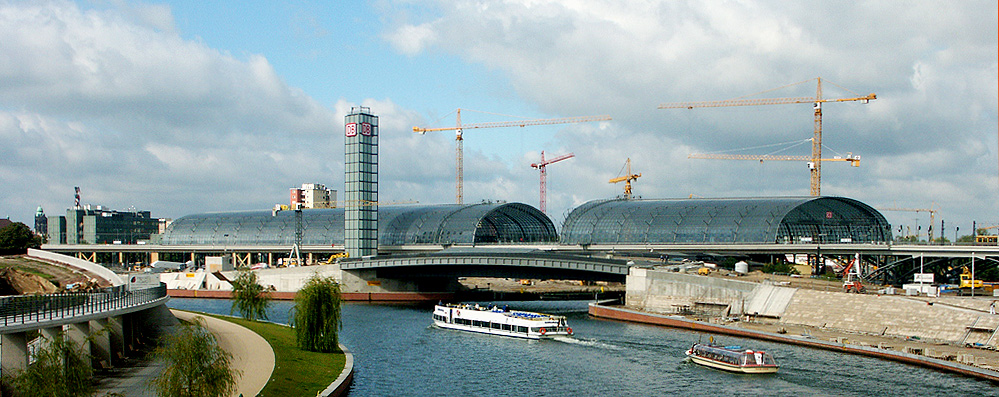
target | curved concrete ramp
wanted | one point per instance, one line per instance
(251, 354)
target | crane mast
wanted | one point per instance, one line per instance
(459, 141)
(817, 101)
(542, 167)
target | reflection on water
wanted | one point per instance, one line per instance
(397, 352)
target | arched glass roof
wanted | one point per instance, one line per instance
(737, 220)
(397, 225)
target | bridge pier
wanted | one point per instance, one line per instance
(13, 352)
(100, 341)
(116, 340)
(77, 333)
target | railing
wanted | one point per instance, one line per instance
(18, 310)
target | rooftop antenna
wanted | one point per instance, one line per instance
(77, 205)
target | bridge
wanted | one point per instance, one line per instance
(521, 263)
(106, 325)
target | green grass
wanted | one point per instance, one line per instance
(296, 372)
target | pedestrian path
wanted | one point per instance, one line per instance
(251, 354)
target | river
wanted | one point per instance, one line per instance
(397, 352)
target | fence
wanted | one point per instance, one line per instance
(18, 310)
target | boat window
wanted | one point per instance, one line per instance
(768, 360)
(495, 325)
(521, 329)
(506, 327)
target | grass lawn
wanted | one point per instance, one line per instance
(296, 372)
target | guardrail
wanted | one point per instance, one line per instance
(18, 310)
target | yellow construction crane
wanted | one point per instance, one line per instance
(459, 174)
(627, 178)
(854, 160)
(817, 101)
(931, 211)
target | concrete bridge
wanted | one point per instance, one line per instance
(106, 325)
(440, 272)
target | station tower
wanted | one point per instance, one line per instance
(361, 183)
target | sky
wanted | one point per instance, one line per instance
(186, 107)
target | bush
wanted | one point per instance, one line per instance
(780, 267)
(316, 316)
(249, 297)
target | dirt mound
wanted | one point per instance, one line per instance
(16, 282)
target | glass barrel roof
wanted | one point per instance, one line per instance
(736, 220)
(397, 225)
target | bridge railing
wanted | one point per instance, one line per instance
(17, 310)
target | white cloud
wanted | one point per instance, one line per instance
(410, 39)
(114, 101)
(933, 67)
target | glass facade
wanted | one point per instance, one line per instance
(787, 220)
(361, 182)
(399, 225)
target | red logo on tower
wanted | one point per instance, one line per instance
(351, 130)
(366, 129)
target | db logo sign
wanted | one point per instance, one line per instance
(351, 130)
(366, 129)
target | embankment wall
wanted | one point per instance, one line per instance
(956, 322)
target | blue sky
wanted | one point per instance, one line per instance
(186, 107)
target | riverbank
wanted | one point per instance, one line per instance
(381, 297)
(931, 355)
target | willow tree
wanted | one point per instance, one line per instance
(195, 364)
(249, 297)
(60, 369)
(316, 316)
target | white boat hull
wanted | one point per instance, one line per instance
(731, 367)
(500, 322)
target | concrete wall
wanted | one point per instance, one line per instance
(891, 315)
(950, 320)
(91, 267)
(665, 292)
(291, 279)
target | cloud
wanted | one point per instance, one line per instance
(933, 67)
(113, 100)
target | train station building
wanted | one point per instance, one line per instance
(780, 220)
(451, 224)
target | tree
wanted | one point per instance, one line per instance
(195, 365)
(249, 297)
(316, 316)
(60, 369)
(18, 236)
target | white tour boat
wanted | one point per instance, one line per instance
(732, 359)
(500, 321)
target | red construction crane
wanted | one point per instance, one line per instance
(459, 151)
(541, 166)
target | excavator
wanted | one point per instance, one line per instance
(970, 285)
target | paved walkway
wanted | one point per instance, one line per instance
(251, 354)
